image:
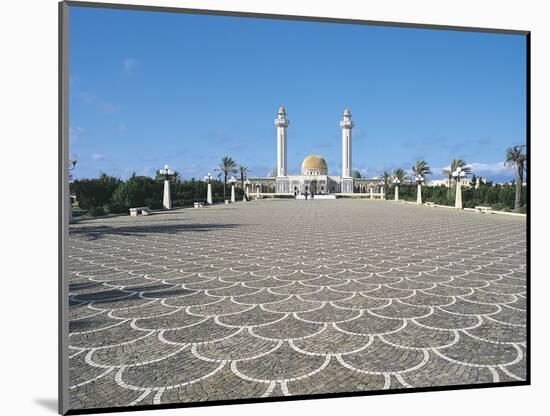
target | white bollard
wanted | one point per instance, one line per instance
(167, 199)
(458, 196)
(419, 194)
(209, 194)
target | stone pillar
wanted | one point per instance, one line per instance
(419, 194)
(346, 124)
(257, 192)
(458, 196)
(396, 196)
(167, 199)
(209, 194)
(383, 193)
(281, 122)
(247, 191)
(233, 193)
(370, 192)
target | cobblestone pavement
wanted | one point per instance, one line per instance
(272, 298)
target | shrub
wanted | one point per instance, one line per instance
(138, 191)
(94, 194)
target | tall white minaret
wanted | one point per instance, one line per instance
(281, 122)
(346, 125)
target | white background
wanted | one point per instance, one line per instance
(28, 229)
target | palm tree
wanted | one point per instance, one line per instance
(456, 163)
(421, 169)
(243, 170)
(226, 167)
(386, 177)
(516, 158)
(400, 174)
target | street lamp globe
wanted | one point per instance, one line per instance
(166, 171)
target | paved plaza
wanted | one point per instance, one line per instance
(285, 297)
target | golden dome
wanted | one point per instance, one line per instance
(315, 163)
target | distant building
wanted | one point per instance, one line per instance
(465, 182)
(313, 176)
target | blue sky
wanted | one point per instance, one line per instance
(149, 89)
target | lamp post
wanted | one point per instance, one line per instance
(167, 174)
(232, 181)
(419, 180)
(72, 165)
(396, 183)
(382, 183)
(458, 174)
(208, 180)
(247, 184)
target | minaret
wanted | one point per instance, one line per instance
(281, 122)
(346, 125)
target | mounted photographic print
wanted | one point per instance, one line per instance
(260, 208)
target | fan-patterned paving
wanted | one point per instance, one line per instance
(284, 297)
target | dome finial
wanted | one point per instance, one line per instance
(346, 111)
(282, 110)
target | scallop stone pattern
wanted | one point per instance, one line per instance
(283, 297)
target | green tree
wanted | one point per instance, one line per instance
(138, 191)
(517, 159)
(400, 174)
(386, 178)
(95, 195)
(455, 163)
(421, 168)
(243, 171)
(226, 167)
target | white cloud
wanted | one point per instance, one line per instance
(104, 107)
(493, 171)
(129, 64)
(492, 168)
(108, 108)
(97, 156)
(75, 134)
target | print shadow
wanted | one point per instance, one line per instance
(48, 404)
